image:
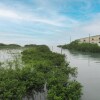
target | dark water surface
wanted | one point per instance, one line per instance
(88, 65)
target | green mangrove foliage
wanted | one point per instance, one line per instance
(11, 85)
(4, 46)
(84, 47)
(56, 73)
(29, 45)
(42, 68)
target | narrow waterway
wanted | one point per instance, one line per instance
(88, 65)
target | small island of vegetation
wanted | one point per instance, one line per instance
(84, 47)
(8, 46)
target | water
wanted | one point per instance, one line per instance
(88, 65)
(8, 54)
(10, 57)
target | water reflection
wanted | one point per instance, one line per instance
(93, 56)
(88, 65)
(8, 54)
(10, 58)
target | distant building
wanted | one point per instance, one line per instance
(90, 39)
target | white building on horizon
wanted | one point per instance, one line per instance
(90, 39)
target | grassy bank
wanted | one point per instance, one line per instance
(84, 47)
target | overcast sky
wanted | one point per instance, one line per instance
(48, 21)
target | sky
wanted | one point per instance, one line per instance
(50, 22)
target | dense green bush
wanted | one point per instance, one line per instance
(42, 68)
(56, 72)
(84, 47)
(3, 46)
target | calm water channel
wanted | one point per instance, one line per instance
(88, 71)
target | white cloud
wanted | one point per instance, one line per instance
(50, 16)
(14, 35)
(91, 27)
(9, 14)
(13, 15)
(18, 38)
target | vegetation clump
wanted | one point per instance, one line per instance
(5, 46)
(84, 47)
(42, 68)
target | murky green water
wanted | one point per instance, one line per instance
(88, 65)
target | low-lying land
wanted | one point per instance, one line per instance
(84, 47)
(42, 68)
(5, 46)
